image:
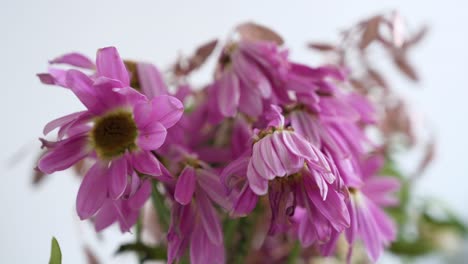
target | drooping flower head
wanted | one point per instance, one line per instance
(195, 223)
(123, 127)
(293, 173)
(248, 76)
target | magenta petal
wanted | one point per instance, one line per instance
(211, 184)
(146, 163)
(298, 145)
(109, 64)
(105, 217)
(167, 110)
(152, 136)
(202, 249)
(269, 155)
(245, 203)
(228, 94)
(209, 218)
(64, 154)
(118, 178)
(93, 191)
(185, 186)
(82, 87)
(368, 229)
(61, 121)
(46, 78)
(74, 59)
(141, 196)
(257, 183)
(151, 81)
(257, 161)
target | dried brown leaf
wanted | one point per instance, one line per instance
(417, 37)
(254, 32)
(371, 31)
(321, 46)
(38, 176)
(185, 66)
(90, 256)
(406, 68)
(429, 155)
(377, 78)
(358, 85)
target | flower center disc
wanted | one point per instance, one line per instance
(113, 134)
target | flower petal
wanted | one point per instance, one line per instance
(61, 121)
(228, 94)
(151, 81)
(141, 196)
(145, 162)
(109, 64)
(257, 183)
(93, 191)
(105, 217)
(64, 154)
(245, 203)
(118, 178)
(74, 59)
(165, 109)
(185, 186)
(209, 218)
(152, 136)
(82, 87)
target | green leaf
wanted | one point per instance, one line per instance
(161, 209)
(295, 253)
(147, 252)
(55, 253)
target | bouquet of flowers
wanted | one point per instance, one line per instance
(272, 161)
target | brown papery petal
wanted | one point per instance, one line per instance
(371, 31)
(254, 32)
(406, 68)
(321, 46)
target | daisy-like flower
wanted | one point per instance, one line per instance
(293, 173)
(122, 128)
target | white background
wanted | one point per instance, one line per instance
(32, 32)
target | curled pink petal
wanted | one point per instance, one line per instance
(74, 59)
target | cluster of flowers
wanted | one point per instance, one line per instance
(265, 131)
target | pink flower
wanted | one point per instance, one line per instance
(248, 76)
(123, 127)
(293, 173)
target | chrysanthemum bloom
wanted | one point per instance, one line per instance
(194, 221)
(247, 77)
(330, 119)
(123, 127)
(368, 220)
(293, 173)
